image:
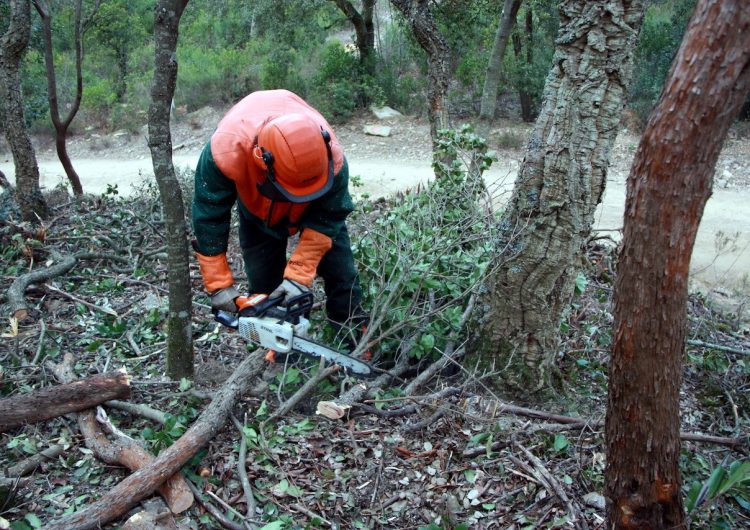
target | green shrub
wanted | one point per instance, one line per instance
(34, 89)
(98, 95)
(335, 85)
(400, 74)
(207, 75)
(422, 255)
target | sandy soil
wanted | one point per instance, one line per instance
(389, 164)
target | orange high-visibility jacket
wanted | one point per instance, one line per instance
(226, 172)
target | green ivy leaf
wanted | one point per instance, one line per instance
(427, 342)
(581, 282)
(33, 520)
(275, 525)
(560, 443)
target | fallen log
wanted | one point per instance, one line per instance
(125, 451)
(143, 482)
(51, 402)
(121, 450)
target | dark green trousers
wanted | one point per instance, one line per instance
(265, 257)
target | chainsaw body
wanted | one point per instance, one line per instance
(284, 329)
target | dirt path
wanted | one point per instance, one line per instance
(399, 162)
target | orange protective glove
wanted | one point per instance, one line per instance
(303, 264)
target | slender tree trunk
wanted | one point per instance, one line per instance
(559, 186)
(13, 45)
(62, 125)
(422, 23)
(494, 68)
(121, 85)
(179, 333)
(668, 187)
(528, 113)
(364, 30)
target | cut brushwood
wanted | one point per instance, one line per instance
(121, 449)
(118, 500)
(51, 402)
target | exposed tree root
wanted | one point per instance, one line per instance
(16, 299)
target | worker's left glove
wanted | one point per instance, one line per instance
(225, 299)
(289, 289)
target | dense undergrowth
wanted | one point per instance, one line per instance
(397, 461)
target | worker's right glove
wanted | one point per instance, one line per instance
(289, 289)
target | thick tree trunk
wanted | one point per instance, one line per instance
(55, 401)
(364, 30)
(422, 23)
(494, 67)
(12, 47)
(668, 187)
(143, 482)
(179, 332)
(560, 183)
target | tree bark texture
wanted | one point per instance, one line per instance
(669, 184)
(13, 45)
(494, 67)
(364, 30)
(61, 125)
(51, 402)
(417, 14)
(179, 333)
(143, 482)
(559, 186)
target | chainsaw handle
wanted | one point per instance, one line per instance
(298, 306)
(230, 320)
(294, 308)
(260, 308)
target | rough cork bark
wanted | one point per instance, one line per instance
(425, 30)
(13, 45)
(668, 187)
(560, 183)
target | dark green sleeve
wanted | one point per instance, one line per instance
(213, 199)
(328, 214)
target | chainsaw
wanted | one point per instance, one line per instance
(284, 329)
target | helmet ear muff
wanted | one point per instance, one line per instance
(263, 159)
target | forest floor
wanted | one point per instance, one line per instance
(464, 460)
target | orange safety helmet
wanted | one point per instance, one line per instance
(296, 154)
